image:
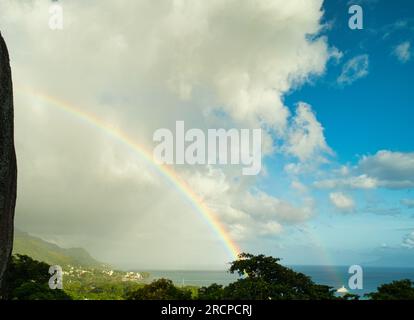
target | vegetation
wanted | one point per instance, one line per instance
(212, 292)
(95, 284)
(397, 290)
(262, 278)
(38, 249)
(161, 289)
(27, 279)
(265, 279)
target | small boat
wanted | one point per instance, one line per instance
(342, 290)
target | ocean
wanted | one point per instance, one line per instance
(334, 276)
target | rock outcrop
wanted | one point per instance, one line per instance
(8, 166)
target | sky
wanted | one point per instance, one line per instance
(335, 106)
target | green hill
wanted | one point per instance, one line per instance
(52, 254)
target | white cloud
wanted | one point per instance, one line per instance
(143, 65)
(342, 202)
(247, 212)
(394, 170)
(305, 137)
(403, 52)
(354, 69)
(311, 166)
(266, 206)
(408, 241)
(271, 228)
(336, 54)
(358, 182)
(300, 187)
(385, 169)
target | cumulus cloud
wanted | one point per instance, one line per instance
(305, 137)
(403, 52)
(385, 169)
(342, 202)
(394, 170)
(262, 204)
(140, 66)
(248, 212)
(354, 69)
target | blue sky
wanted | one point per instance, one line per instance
(374, 112)
(371, 113)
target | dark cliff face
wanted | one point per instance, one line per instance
(8, 167)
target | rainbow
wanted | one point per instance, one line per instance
(166, 172)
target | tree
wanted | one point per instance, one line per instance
(264, 278)
(212, 292)
(8, 166)
(161, 289)
(396, 290)
(28, 279)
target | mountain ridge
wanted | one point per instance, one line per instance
(41, 250)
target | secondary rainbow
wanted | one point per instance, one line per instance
(166, 172)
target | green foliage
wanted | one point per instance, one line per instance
(264, 278)
(212, 292)
(28, 279)
(161, 289)
(397, 290)
(350, 296)
(96, 285)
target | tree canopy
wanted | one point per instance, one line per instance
(396, 290)
(28, 279)
(161, 289)
(263, 278)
